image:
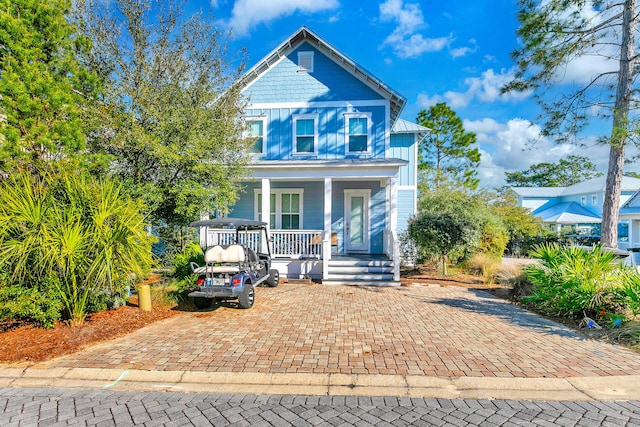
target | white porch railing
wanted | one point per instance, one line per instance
(296, 243)
(284, 243)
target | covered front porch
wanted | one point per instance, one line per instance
(323, 210)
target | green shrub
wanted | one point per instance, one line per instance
(39, 304)
(182, 260)
(575, 282)
(85, 235)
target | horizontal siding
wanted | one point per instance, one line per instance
(402, 146)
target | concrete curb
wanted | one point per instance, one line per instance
(556, 389)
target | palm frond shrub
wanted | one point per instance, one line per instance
(574, 282)
(83, 236)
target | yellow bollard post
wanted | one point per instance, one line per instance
(144, 298)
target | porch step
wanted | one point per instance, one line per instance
(361, 272)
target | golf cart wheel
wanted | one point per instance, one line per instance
(274, 278)
(247, 297)
(201, 302)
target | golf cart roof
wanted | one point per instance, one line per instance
(238, 223)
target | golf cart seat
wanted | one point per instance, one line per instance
(230, 259)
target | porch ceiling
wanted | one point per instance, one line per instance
(320, 169)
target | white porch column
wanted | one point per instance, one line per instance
(202, 233)
(266, 202)
(393, 205)
(326, 241)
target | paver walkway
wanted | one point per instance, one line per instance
(420, 330)
(52, 407)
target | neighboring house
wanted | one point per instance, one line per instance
(578, 208)
(338, 164)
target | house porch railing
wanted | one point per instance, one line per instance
(284, 243)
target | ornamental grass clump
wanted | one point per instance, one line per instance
(576, 282)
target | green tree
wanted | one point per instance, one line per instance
(490, 236)
(171, 112)
(556, 32)
(521, 225)
(447, 153)
(44, 87)
(568, 171)
(442, 233)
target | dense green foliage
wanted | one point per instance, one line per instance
(170, 121)
(447, 155)
(576, 282)
(44, 88)
(467, 222)
(70, 236)
(568, 171)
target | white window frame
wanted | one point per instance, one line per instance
(246, 135)
(278, 193)
(305, 56)
(583, 200)
(594, 200)
(347, 117)
(313, 117)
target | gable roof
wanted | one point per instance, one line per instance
(567, 213)
(304, 34)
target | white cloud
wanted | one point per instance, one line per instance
(405, 40)
(518, 144)
(247, 14)
(466, 50)
(485, 88)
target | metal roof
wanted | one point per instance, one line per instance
(597, 185)
(538, 191)
(567, 213)
(304, 34)
(405, 126)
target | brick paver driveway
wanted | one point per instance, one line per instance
(420, 330)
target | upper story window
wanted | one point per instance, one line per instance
(583, 200)
(358, 132)
(305, 133)
(305, 62)
(256, 130)
(594, 200)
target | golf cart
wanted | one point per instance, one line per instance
(237, 259)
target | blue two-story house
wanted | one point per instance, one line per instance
(337, 163)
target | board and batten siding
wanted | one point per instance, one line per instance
(331, 142)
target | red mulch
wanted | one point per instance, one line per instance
(29, 344)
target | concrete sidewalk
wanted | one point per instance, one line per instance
(613, 388)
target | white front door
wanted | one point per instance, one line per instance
(356, 216)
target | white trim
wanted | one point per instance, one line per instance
(302, 56)
(278, 211)
(315, 118)
(323, 104)
(366, 245)
(407, 187)
(245, 134)
(357, 115)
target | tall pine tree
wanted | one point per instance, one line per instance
(43, 85)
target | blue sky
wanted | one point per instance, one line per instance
(430, 51)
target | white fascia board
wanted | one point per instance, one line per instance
(325, 104)
(321, 172)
